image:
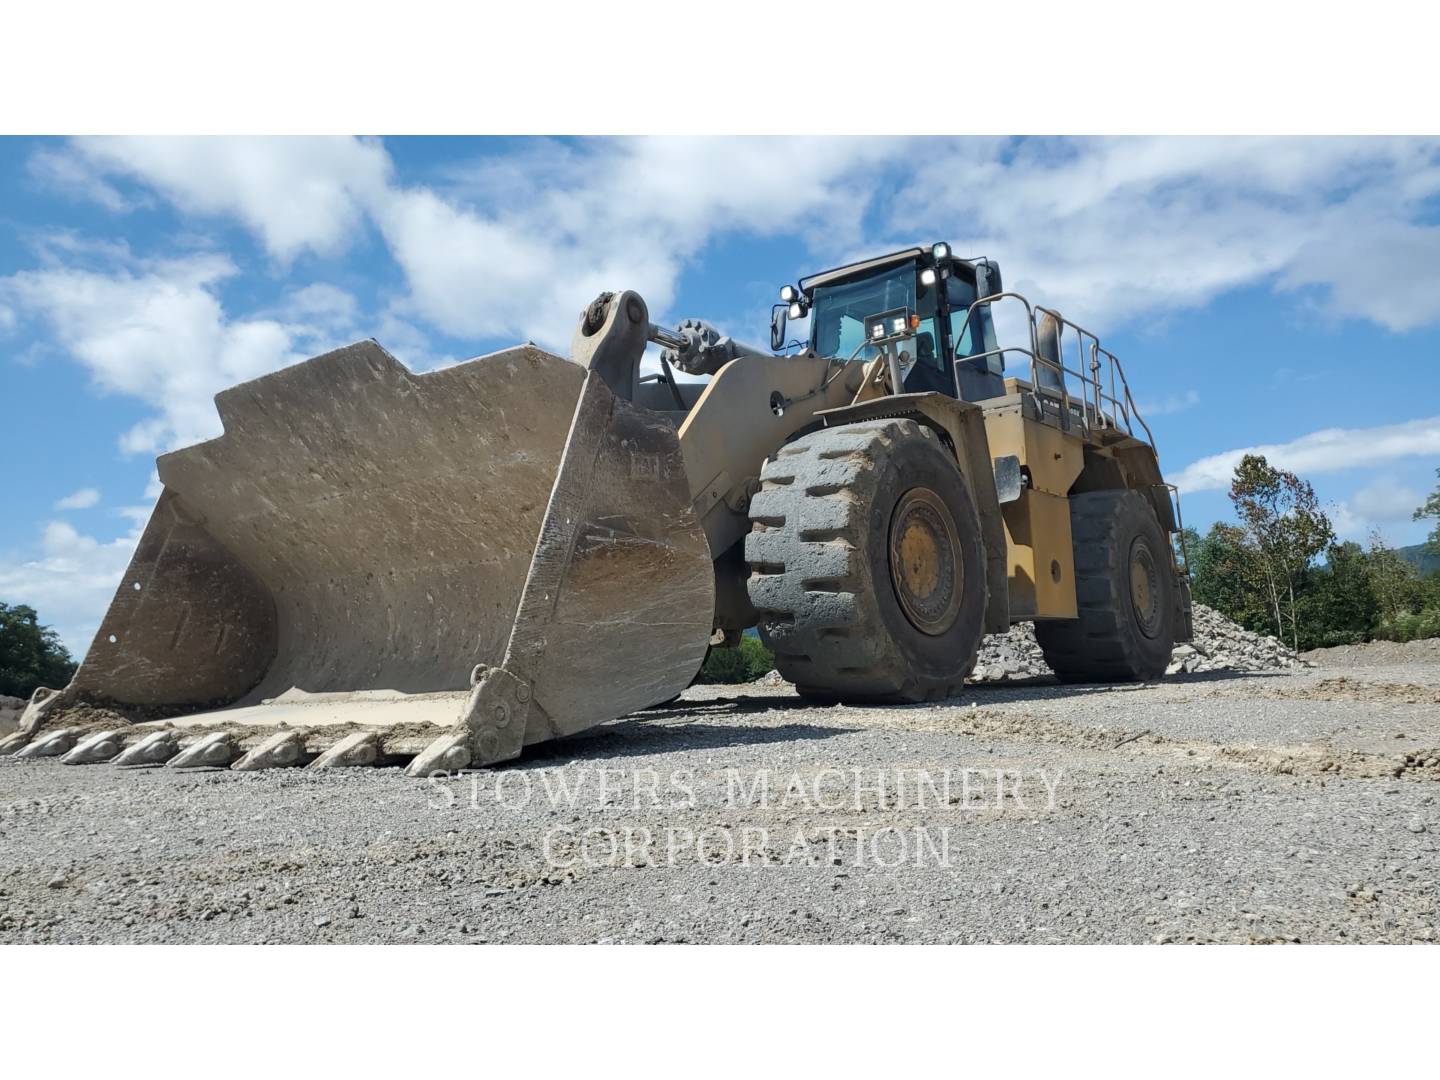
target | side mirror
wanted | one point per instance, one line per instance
(987, 279)
(777, 328)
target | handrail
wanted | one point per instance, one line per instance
(1098, 408)
(1115, 409)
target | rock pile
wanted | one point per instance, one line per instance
(1219, 645)
(1011, 655)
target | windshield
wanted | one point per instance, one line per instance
(838, 312)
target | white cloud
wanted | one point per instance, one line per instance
(1107, 229)
(1348, 524)
(1384, 505)
(322, 304)
(79, 500)
(1380, 506)
(1331, 450)
(71, 583)
(297, 194)
(72, 174)
(1386, 499)
(158, 332)
(517, 248)
(1172, 403)
(1112, 229)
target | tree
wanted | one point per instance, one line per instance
(1337, 601)
(1227, 576)
(1431, 509)
(1284, 524)
(1188, 540)
(31, 655)
(1395, 582)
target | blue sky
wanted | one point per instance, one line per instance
(1262, 293)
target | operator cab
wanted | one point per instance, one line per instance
(937, 287)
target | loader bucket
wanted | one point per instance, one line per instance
(355, 546)
(619, 602)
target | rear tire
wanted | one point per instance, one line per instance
(867, 564)
(1125, 590)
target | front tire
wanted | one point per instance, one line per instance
(1125, 590)
(867, 564)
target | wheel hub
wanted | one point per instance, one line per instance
(925, 567)
(1145, 588)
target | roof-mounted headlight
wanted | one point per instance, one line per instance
(789, 294)
(940, 252)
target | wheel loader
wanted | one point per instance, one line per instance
(375, 566)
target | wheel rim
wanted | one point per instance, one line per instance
(925, 566)
(1145, 588)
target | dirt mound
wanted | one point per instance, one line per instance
(1377, 654)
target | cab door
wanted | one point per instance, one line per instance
(969, 334)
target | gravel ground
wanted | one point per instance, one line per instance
(1297, 806)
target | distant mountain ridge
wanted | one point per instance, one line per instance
(1421, 557)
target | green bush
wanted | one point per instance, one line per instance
(745, 663)
(1411, 625)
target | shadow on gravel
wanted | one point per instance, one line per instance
(700, 724)
(1228, 676)
(1046, 688)
(723, 706)
(639, 736)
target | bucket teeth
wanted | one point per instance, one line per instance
(96, 747)
(154, 749)
(282, 750)
(212, 751)
(361, 748)
(449, 753)
(50, 744)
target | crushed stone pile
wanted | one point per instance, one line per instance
(1222, 645)
(1219, 645)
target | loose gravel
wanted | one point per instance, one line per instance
(1229, 807)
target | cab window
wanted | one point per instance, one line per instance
(973, 335)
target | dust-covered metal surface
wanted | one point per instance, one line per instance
(190, 624)
(618, 606)
(326, 581)
(358, 526)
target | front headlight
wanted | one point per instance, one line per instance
(789, 294)
(940, 252)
